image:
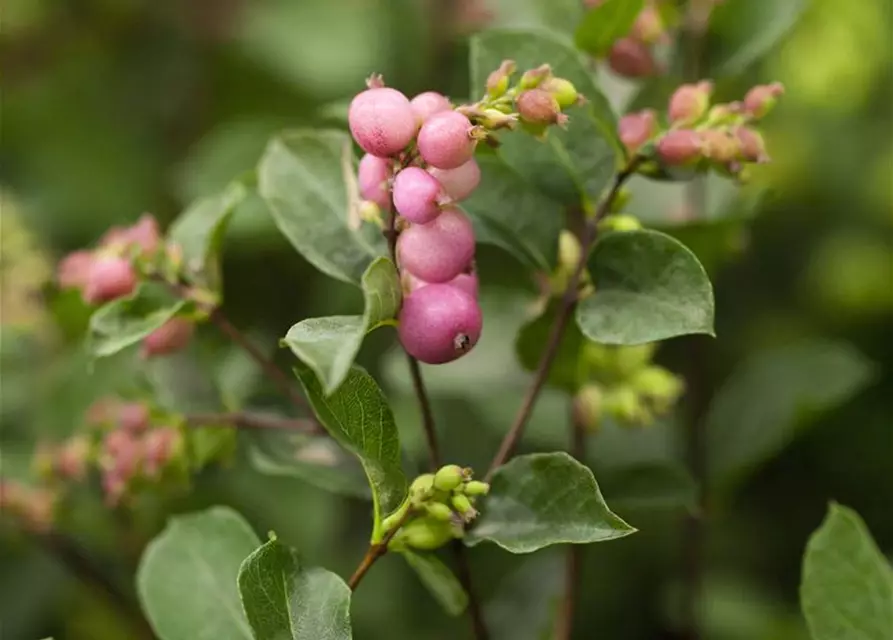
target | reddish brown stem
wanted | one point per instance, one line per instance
(375, 552)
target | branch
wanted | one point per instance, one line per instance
(244, 420)
(565, 311)
(463, 567)
(375, 552)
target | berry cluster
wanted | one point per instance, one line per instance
(113, 270)
(438, 507)
(701, 136)
(34, 507)
(632, 56)
(419, 164)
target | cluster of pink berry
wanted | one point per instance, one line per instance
(124, 446)
(420, 162)
(699, 136)
(33, 506)
(632, 56)
(110, 272)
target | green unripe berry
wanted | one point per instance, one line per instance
(564, 92)
(426, 534)
(462, 504)
(533, 78)
(476, 488)
(449, 477)
(624, 404)
(630, 359)
(588, 406)
(422, 487)
(439, 511)
(620, 222)
(659, 385)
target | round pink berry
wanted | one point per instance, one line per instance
(467, 282)
(635, 129)
(458, 183)
(439, 323)
(680, 146)
(632, 59)
(382, 121)
(416, 195)
(427, 104)
(172, 336)
(445, 140)
(74, 270)
(110, 278)
(372, 177)
(440, 250)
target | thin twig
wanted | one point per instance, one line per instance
(565, 311)
(418, 383)
(475, 612)
(375, 552)
(243, 420)
(564, 624)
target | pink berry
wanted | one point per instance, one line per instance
(761, 99)
(160, 445)
(467, 282)
(133, 417)
(172, 336)
(144, 234)
(458, 183)
(680, 146)
(439, 323)
(110, 278)
(440, 250)
(690, 102)
(445, 140)
(632, 59)
(427, 104)
(537, 106)
(74, 270)
(372, 177)
(382, 121)
(635, 129)
(416, 195)
(752, 146)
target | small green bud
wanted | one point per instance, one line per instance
(449, 477)
(463, 506)
(422, 487)
(628, 360)
(569, 250)
(535, 77)
(624, 404)
(498, 81)
(621, 200)
(564, 92)
(476, 488)
(659, 385)
(496, 119)
(425, 533)
(439, 511)
(620, 222)
(588, 406)
(441, 496)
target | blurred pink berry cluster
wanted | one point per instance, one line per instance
(697, 135)
(112, 271)
(33, 506)
(632, 56)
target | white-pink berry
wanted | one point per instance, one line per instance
(439, 323)
(109, 278)
(427, 104)
(372, 179)
(416, 195)
(382, 121)
(467, 282)
(440, 250)
(458, 183)
(170, 337)
(445, 140)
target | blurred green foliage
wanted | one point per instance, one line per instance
(112, 108)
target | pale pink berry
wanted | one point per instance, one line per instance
(417, 195)
(445, 140)
(372, 178)
(760, 100)
(110, 278)
(752, 146)
(439, 323)
(680, 146)
(635, 129)
(460, 182)
(170, 337)
(427, 104)
(74, 270)
(690, 102)
(133, 417)
(632, 59)
(649, 26)
(440, 250)
(467, 282)
(159, 445)
(143, 234)
(382, 121)
(537, 106)
(71, 460)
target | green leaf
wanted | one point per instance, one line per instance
(568, 371)
(571, 163)
(316, 460)
(283, 599)
(187, 576)
(747, 30)
(560, 15)
(304, 177)
(648, 287)
(126, 321)
(439, 581)
(543, 499)
(199, 233)
(510, 214)
(605, 24)
(755, 413)
(329, 345)
(359, 418)
(846, 591)
(526, 601)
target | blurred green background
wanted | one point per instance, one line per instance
(115, 107)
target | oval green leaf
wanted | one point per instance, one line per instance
(329, 345)
(574, 162)
(285, 600)
(846, 591)
(439, 580)
(305, 178)
(605, 24)
(648, 287)
(543, 499)
(357, 415)
(186, 579)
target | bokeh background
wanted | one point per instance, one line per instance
(115, 107)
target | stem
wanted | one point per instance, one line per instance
(375, 552)
(565, 311)
(243, 420)
(463, 568)
(421, 392)
(564, 625)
